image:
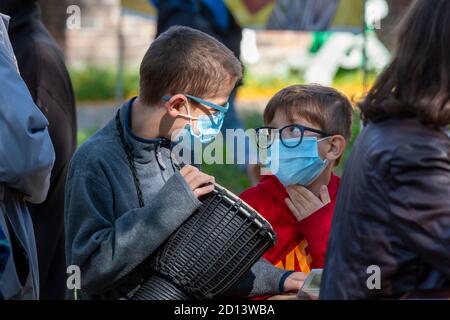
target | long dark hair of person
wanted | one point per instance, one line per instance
(417, 81)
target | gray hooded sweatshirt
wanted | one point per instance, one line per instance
(26, 161)
(109, 237)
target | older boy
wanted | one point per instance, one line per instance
(309, 126)
(125, 195)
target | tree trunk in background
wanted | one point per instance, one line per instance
(397, 9)
(53, 15)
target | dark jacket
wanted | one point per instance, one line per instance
(392, 213)
(41, 65)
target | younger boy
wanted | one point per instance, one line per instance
(309, 125)
(125, 195)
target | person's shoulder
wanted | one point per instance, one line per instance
(421, 153)
(412, 140)
(45, 48)
(386, 139)
(406, 129)
(411, 146)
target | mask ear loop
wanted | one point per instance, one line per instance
(188, 115)
(188, 108)
(323, 139)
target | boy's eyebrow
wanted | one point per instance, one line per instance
(223, 103)
(211, 108)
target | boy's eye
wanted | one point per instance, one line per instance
(292, 132)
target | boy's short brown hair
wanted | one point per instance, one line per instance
(185, 60)
(323, 106)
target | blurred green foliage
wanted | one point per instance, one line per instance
(290, 77)
(97, 84)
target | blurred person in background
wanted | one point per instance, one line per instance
(41, 65)
(390, 236)
(26, 160)
(213, 18)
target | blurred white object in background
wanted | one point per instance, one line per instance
(324, 65)
(344, 50)
(375, 11)
(249, 49)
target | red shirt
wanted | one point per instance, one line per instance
(300, 246)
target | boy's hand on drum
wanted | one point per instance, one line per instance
(303, 202)
(294, 282)
(199, 182)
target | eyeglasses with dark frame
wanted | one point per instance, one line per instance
(291, 135)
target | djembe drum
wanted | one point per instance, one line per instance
(209, 252)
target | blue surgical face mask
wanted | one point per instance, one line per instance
(208, 126)
(299, 165)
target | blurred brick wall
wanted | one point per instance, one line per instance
(97, 42)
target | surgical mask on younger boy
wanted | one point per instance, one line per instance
(208, 126)
(299, 165)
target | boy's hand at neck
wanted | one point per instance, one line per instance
(322, 180)
(304, 201)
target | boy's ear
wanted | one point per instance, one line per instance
(175, 104)
(336, 149)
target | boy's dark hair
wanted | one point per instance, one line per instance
(185, 60)
(323, 106)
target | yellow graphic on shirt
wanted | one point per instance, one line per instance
(298, 253)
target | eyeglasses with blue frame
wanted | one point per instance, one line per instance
(217, 107)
